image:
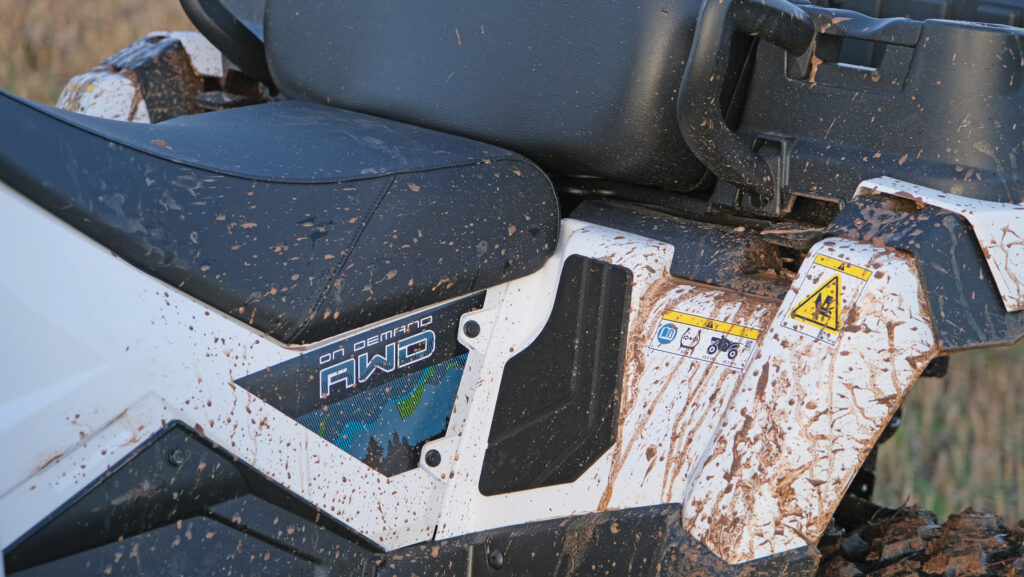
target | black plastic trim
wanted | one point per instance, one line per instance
(180, 505)
(966, 308)
(829, 123)
(557, 409)
(246, 537)
(699, 107)
(645, 541)
(713, 254)
(231, 36)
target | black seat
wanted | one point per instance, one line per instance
(582, 88)
(300, 219)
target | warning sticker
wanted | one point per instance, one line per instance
(843, 267)
(704, 339)
(822, 305)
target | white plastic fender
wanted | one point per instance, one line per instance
(756, 437)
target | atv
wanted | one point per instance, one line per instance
(730, 348)
(394, 288)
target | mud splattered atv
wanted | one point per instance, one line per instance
(436, 290)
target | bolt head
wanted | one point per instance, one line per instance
(433, 458)
(471, 329)
(495, 559)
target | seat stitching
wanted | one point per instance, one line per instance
(350, 250)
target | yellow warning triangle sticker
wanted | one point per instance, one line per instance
(821, 308)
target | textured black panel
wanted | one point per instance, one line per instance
(201, 547)
(708, 253)
(558, 405)
(581, 88)
(645, 541)
(1007, 12)
(963, 299)
(648, 541)
(937, 104)
(179, 506)
(301, 220)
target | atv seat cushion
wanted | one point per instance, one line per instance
(582, 88)
(300, 219)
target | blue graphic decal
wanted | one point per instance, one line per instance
(386, 426)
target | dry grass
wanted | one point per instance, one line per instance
(962, 441)
(43, 43)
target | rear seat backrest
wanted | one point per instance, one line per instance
(583, 88)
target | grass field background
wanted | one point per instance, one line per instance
(962, 440)
(43, 43)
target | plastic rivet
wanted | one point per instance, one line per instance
(176, 457)
(433, 458)
(495, 559)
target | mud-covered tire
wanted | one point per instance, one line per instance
(911, 542)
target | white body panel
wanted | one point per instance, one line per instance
(760, 456)
(808, 411)
(757, 448)
(98, 357)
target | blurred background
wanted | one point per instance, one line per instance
(43, 43)
(961, 443)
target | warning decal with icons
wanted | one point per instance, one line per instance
(822, 305)
(701, 338)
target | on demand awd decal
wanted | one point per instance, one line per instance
(378, 395)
